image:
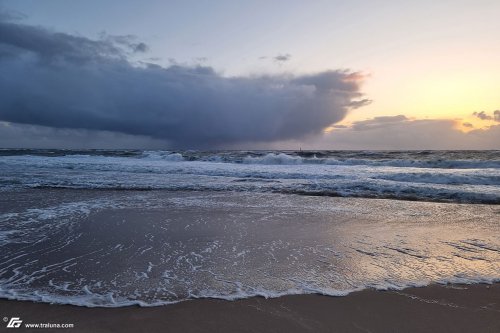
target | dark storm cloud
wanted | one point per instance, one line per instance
(282, 57)
(129, 42)
(10, 15)
(65, 81)
(360, 103)
(34, 136)
(484, 116)
(21, 41)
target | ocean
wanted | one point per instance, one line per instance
(442, 176)
(120, 227)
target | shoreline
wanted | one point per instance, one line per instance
(440, 308)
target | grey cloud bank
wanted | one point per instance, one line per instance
(400, 132)
(63, 81)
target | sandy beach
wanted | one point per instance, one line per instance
(108, 252)
(452, 308)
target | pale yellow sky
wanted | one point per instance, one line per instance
(449, 83)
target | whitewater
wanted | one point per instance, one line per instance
(441, 176)
(111, 228)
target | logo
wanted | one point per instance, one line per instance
(15, 322)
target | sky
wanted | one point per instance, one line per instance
(250, 74)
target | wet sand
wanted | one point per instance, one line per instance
(452, 308)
